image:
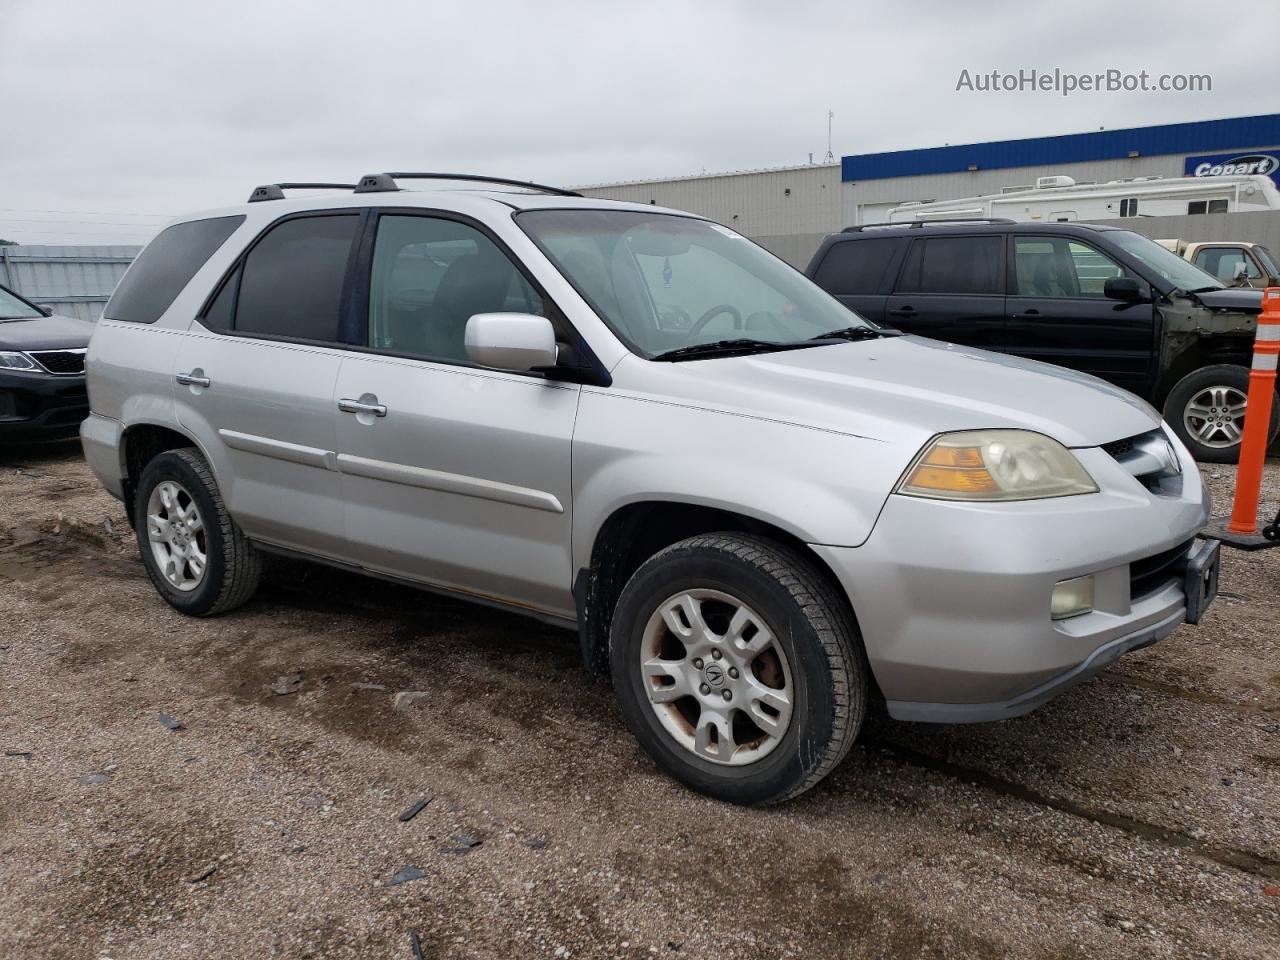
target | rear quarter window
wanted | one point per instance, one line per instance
(855, 266)
(166, 266)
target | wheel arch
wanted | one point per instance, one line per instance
(1199, 354)
(636, 531)
(140, 443)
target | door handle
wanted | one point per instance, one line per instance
(195, 378)
(368, 403)
(903, 312)
(1026, 314)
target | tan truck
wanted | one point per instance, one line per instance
(1239, 263)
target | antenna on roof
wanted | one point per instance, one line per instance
(831, 157)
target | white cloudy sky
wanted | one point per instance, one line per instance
(117, 114)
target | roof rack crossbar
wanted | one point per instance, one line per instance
(386, 182)
(275, 191)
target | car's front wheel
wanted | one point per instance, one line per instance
(1206, 409)
(738, 666)
(195, 554)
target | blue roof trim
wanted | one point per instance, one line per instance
(1200, 137)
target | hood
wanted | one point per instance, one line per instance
(1236, 299)
(45, 333)
(905, 390)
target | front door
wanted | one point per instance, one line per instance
(1058, 312)
(951, 288)
(452, 474)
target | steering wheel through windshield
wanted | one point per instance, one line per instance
(715, 312)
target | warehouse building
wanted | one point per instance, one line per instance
(789, 209)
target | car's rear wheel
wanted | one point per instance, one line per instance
(738, 667)
(195, 554)
(1206, 409)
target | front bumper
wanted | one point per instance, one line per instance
(952, 599)
(41, 406)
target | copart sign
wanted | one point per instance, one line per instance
(1234, 165)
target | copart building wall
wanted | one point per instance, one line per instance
(790, 209)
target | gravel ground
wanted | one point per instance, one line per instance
(1137, 815)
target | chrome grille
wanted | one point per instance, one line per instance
(60, 361)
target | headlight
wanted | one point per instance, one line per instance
(996, 465)
(16, 361)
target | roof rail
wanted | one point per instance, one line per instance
(917, 224)
(275, 191)
(386, 182)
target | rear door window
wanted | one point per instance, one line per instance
(166, 266)
(954, 265)
(855, 266)
(291, 282)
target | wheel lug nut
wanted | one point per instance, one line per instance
(727, 695)
(704, 689)
(697, 663)
(733, 673)
(716, 654)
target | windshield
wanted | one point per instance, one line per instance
(1268, 260)
(1169, 265)
(12, 308)
(664, 282)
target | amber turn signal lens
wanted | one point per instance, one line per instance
(943, 455)
(951, 480)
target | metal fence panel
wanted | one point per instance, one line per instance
(74, 281)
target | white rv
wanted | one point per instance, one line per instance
(1062, 199)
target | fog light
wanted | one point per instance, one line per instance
(1071, 598)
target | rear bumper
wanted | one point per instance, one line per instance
(953, 600)
(41, 406)
(100, 438)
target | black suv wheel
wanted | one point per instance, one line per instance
(1206, 408)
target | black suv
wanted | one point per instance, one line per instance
(42, 391)
(1094, 298)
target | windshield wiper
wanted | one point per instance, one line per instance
(727, 348)
(856, 333)
(1204, 289)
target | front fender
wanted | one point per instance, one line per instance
(818, 485)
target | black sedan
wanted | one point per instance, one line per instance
(42, 392)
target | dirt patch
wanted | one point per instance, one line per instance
(1134, 816)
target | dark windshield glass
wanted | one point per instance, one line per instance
(1169, 265)
(663, 282)
(12, 308)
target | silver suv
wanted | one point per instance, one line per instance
(760, 512)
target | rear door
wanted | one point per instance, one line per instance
(461, 476)
(256, 382)
(1058, 313)
(859, 272)
(951, 288)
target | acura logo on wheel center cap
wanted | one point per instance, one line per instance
(714, 674)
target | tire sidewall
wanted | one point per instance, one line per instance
(1225, 374)
(778, 773)
(172, 465)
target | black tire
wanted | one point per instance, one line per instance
(233, 568)
(1185, 390)
(811, 625)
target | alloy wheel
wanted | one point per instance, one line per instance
(176, 532)
(1215, 416)
(716, 677)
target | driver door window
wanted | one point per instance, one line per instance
(1060, 268)
(429, 277)
(1223, 261)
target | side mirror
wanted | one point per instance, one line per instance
(1122, 288)
(1240, 272)
(519, 342)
